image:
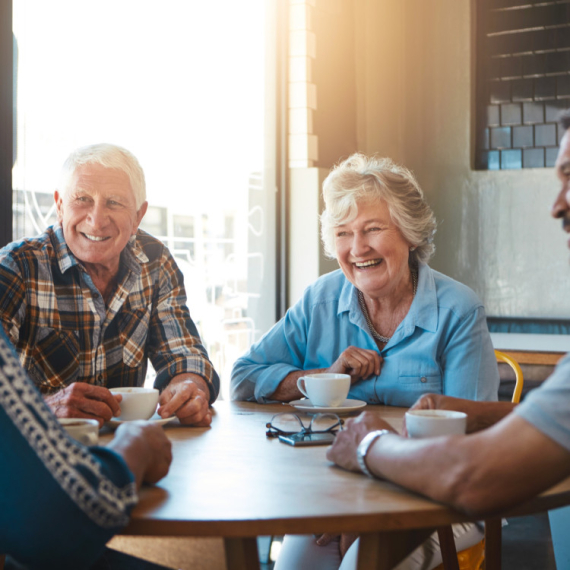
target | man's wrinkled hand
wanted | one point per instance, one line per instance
(82, 400)
(188, 402)
(343, 450)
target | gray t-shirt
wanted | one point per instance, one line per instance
(548, 407)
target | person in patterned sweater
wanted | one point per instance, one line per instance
(62, 501)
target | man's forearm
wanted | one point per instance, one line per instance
(480, 415)
(488, 414)
(478, 473)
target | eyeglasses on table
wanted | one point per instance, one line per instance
(287, 423)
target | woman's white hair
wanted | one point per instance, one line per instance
(109, 156)
(361, 178)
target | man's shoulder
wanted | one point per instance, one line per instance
(152, 247)
(29, 247)
(325, 289)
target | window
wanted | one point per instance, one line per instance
(523, 81)
(185, 87)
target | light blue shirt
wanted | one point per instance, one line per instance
(547, 409)
(442, 345)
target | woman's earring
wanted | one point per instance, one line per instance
(412, 248)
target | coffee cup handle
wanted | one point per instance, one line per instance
(90, 438)
(302, 388)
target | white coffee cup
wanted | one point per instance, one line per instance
(83, 430)
(325, 390)
(432, 423)
(137, 403)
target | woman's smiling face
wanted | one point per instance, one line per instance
(371, 250)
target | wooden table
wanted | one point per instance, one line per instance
(231, 481)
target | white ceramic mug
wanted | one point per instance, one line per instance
(137, 403)
(83, 430)
(325, 390)
(432, 423)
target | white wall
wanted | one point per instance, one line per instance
(414, 83)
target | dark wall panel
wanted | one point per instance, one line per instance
(523, 80)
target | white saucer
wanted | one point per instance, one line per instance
(305, 405)
(156, 419)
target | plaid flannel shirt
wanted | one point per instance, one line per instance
(64, 332)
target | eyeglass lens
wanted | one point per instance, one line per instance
(292, 423)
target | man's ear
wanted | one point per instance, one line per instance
(58, 199)
(140, 216)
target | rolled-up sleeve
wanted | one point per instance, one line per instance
(175, 346)
(257, 374)
(12, 296)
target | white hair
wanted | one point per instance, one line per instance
(109, 156)
(360, 178)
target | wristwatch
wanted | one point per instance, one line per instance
(364, 446)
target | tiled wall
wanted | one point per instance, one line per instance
(523, 82)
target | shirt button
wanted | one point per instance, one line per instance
(423, 379)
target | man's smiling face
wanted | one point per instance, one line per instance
(98, 215)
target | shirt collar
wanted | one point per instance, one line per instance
(348, 297)
(65, 259)
(423, 312)
(132, 256)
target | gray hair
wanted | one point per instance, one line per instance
(361, 178)
(109, 156)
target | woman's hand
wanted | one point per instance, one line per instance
(360, 363)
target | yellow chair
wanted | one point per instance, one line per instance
(489, 548)
(502, 357)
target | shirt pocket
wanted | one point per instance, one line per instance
(413, 386)
(54, 358)
(133, 332)
(419, 380)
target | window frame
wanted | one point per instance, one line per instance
(7, 118)
(277, 45)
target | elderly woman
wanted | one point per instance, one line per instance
(396, 326)
(399, 328)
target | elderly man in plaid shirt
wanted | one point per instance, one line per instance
(88, 301)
